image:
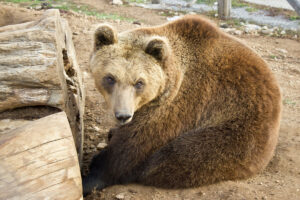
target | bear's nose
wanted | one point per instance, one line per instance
(122, 117)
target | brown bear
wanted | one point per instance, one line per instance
(195, 106)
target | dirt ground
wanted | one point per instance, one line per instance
(280, 180)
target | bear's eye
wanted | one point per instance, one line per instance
(139, 85)
(110, 80)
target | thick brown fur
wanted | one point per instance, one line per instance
(216, 118)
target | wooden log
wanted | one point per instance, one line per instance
(38, 161)
(296, 5)
(38, 67)
(224, 8)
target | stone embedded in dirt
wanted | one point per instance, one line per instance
(251, 28)
(101, 145)
(132, 191)
(96, 128)
(282, 50)
(137, 22)
(39, 69)
(155, 1)
(120, 196)
(117, 2)
(238, 32)
(267, 31)
(282, 32)
(224, 25)
(91, 137)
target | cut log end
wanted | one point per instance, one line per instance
(38, 161)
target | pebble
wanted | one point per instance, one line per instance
(267, 31)
(250, 28)
(224, 25)
(101, 145)
(120, 196)
(137, 22)
(132, 191)
(91, 137)
(282, 32)
(282, 50)
(96, 128)
(117, 2)
(238, 32)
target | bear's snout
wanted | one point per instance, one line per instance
(123, 117)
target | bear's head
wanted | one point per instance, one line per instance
(130, 70)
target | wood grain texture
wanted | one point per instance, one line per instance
(39, 161)
(38, 67)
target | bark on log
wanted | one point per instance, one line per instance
(296, 5)
(38, 67)
(39, 161)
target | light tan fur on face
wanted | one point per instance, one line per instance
(127, 67)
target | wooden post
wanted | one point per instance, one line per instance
(224, 8)
(296, 5)
(39, 161)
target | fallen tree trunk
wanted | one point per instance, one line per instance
(38, 69)
(39, 161)
(296, 5)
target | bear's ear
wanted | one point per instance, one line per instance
(157, 47)
(104, 35)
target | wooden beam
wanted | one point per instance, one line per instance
(224, 8)
(39, 161)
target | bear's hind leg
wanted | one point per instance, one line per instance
(194, 159)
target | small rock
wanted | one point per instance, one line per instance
(137, 22)
(192, 13)
(120, 196)
(264, 198)
(282, 50)
(237, 32)
(252, 28)
(267, 31)
(229, 30)
(155, 1)
(96, 128)
(91, 137)
(38, 7)
(117, 2)
(132, 191)
(277, 181)
(224, 25)
(101, 145)
(75, 33)
(282, 32)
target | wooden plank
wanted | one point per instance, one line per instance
(39, 161)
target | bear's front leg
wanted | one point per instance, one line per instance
(95, 179)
